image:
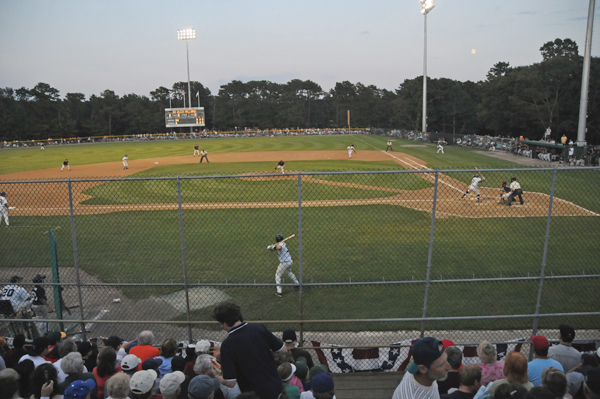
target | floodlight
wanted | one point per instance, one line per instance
(186, 34)
(426, 6)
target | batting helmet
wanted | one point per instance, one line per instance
(513, 179)
(38, 278)
(2, 193)
(278, 237)
(15, 279)
(476, 175)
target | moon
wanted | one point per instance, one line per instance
(473, 51)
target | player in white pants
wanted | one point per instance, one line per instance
(4, 208)
(280, 165)
(125, 164)
(350, 150)
(474, 186)
(65, 163)
(285, 263)
(440, 148)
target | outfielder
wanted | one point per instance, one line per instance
(285, 263)
(505, 192)
(197, 150)
(4, 208)
(65, 163)
(389, 146)
(280, 165)
(440, 147)
(125, 164)
(351, 150)
(474, 186)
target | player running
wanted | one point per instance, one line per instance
(285, 263)
(351, 150)
(474, 186)
(280, 165)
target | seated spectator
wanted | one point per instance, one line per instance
(190, 360)
(291, 342)
(64, 348)
(539, 393)
(515, 370)
(38, 350)
(541, 360)
(286, 372)
(316, 370)
(510, 391)
(470, 381)
(89, 354)
(591, 384)
(25, 369)
(44, 382)
(207, 365)
(322, 386)
(170, 384)
(302, 373)
(142, 383)
(106, 368)
(455, 360)
(564, 353)
(491, 367)
(144, 349)
(168, 349)
(80, 389)
(131, 364)
(202, 387)
(73, 366)
(9, 381)
(17, 352)
(117, 344)
(54, 338)
(555, 381)
(117, 386)
(153, 364)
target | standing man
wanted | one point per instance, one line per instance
(564, 353)
(280, 165)
(204, 154)
(515, 190)
(389, 146)
(474, 186)
(246, 356)
(547, 134)
(39, 303)
(16, 294)
(563, 139)
(65, 163)
(285, 263)
(4, 208)
(197, 150)
(440, 147)
(429, 365)
(125, 164)
(351, 150)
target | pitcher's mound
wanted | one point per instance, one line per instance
(200, 297)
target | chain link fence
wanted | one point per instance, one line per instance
(381, 257)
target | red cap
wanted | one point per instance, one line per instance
(540, 342)
(447, 343)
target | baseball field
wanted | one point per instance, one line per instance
(372, 227)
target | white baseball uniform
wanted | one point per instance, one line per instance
(16, 295)
(125, 164)
(350, 149)
(4, 210)
(440, 148)
(285, 266)
(474, 184)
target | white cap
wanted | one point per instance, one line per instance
(170, 382)
(142, 381)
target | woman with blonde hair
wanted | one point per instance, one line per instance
(491, 367)
(515, 370)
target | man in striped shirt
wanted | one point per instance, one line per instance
(430, 364)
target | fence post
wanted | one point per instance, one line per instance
(300, 269)
(430, 254)
(545, 253)
(183, 262)
(76, 259)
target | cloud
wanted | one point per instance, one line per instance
(364, 32)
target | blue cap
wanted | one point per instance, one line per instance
(425, 351)
(79, 389)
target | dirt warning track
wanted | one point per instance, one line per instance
(52, 197)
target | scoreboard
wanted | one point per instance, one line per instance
(184, 117)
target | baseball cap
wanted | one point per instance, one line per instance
(79, 389)
(151, 364)
(55, 335)
(592, 380)
(301, 370)
(447, 343)
(425, 351)
(170, 383)
(130, 362)
(40, 343)
(178, 363)
(322, 383)
(15, 279)
(315, 370)
(142, 381)
(539, 342)
(202, 386)
(566, 332)
(289, 336)
(202, 346)
(114, 341)
(9, 374)
(38, 278)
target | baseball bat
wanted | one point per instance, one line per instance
(285, 239)
(480, 174)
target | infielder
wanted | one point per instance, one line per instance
(42, 148)
(440, 148)
(474, 186)
(351, 150)
(125, 164)
(18, 297)
(516, 191)
(197, 150)
(4, 208)
(280, 165)
(65, 163)
(204, 154)
(285, 263)
(389, 146)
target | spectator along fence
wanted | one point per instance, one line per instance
(381, 256)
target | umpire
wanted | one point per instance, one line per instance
(516, 191)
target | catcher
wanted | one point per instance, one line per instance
(504, 192)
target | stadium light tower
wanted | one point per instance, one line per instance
(187, 34)
(426, 7)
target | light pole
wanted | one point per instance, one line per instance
(426, 6)
(585, 77)
(187, 34)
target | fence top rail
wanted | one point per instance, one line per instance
(358, 172)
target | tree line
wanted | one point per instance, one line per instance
(511, 101)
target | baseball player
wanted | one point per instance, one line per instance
(65, 163)
(4, 208)
(505, 192)
(389, 146)
(42, 148)
(18, 297)
(285, 263)
(204, 154)
(516, 191)
(39, 303)
(280, 165)
(125, 164)
(197, 150)
(440, 147)
(473, 187)
(351, 150)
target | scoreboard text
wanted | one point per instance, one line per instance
(184, 117)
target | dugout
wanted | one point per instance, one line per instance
(553, 148)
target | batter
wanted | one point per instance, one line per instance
(474, 186)
(285, 263)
